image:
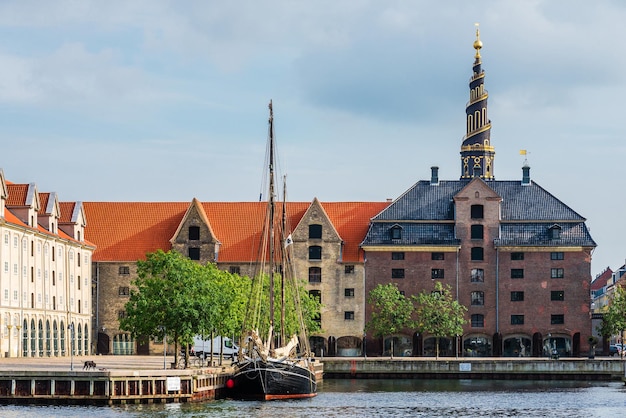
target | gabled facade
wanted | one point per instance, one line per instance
(326, 238)
(510, 251)
(45, 276)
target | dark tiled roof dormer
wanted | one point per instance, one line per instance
(426, 215)
(477, 153)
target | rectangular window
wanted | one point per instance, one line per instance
(123, 291)
(396, 232)
(477, 212)
(194, 233)
(478, 275)
(557, 295)
(122, 270)
(477, 254)
(234, 270)
(517, 319)
(348, 292)
(478, 321)
(349, 269)
(316, 294)
(315, 231)
(517, 256)
(436, 274)
(556, 256)
(315, 274)
(348, 315)
(477, 231)
(556, 273)
(478, 298)
(517, 296)
(194, 253)
(315, 252)
(437, 256)
(397, 273)
(557, 319)
(121, 314)
(397, 256)
(517, 273)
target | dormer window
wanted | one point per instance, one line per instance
(396, 232)
(554, 232)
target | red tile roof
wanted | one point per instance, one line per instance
(43, 198)
(17, 194)
(126, 231)
(600, 281)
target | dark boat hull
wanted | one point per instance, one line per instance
(271, 380)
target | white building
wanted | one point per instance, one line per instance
(45, 274)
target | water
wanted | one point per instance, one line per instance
(388, 398)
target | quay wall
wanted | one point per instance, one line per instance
(449, 368)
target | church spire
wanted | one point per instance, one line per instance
(477, 154)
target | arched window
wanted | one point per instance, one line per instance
(48, 336)
(62, 334)
(86, 340)
(79, 339)
(33, 338)
(25, 339)
(55, 338)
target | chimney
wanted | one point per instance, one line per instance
(434, 176)
(526, 175)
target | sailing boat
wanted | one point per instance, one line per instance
(274, 368)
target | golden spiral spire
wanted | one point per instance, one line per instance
(477, 43)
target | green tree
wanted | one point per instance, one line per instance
(391, 311)
(614, 318)
(172, 296)
(439, 314)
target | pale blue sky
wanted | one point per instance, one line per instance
(167, 100)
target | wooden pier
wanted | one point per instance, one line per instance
(111, 387)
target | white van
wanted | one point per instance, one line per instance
(202, 347)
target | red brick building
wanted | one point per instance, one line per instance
(514, 254)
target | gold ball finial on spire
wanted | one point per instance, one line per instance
(477, 43)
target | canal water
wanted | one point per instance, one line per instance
(387, 398)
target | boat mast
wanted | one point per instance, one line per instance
(271, 218)
(284, 269)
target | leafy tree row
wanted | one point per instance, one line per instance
(176, 297)
(437, 313)
(614, 318)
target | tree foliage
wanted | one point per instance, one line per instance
(614, 319)
(439, 314)
(180, 298)
(391, 310)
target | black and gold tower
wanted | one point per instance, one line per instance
(477, 154)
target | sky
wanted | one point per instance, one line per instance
(150, 100)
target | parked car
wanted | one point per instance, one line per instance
(615, 349)
(202, 348)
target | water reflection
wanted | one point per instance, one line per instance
(390, 398)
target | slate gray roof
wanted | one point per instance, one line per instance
(426, 202)
(532, 206)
